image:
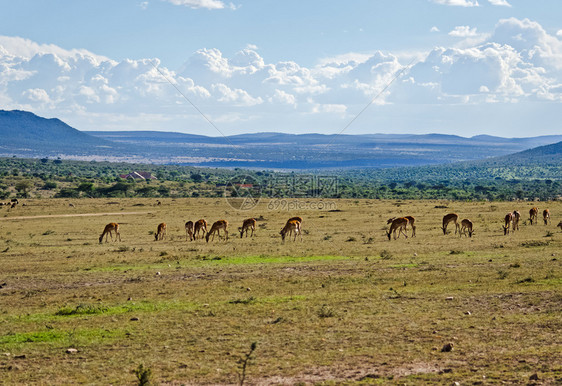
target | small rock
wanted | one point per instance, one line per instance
(415, 254)
(449, 298)
(457, 384)
(534, 377)
(71, 351)
(248, 289)
(447, 347)
(7, 354)
(129, 299)
(134, 319)
(157, 273)
(468, 313)
(22, 356)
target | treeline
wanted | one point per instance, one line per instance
(75, 179)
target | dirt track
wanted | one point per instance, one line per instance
(71, 215)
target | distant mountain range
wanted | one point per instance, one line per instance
(26, 135)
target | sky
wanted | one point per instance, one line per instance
(214, 67)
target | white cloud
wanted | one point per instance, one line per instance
(37, 95)
(559, 33)
(236, 97)
(282, 97)
(207, 4)
(502, 3)
(434, 29)
(518, 62)
(458, 3)
(463, 31)
(143, 5)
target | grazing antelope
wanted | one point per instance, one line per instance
(248, 224)
(217, 226)
(515, 222)
(508, 220)
(451, 217)
(160, 231)
(466, 225)
(399, 224)
(189, 230)
(109, 228)
(296, 218)
(546, 216)
(292, 226)
(411, 221)
(199, 226)
(533, 214)
(560, 225)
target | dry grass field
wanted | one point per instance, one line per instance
(344, 305)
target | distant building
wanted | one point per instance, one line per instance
(138, 176)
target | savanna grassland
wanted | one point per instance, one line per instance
(344, 305)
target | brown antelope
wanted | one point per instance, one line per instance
(399, 224)
(199, 226)
(189, 230)
(515, 222)
(296, 218)
(466, 225)
(292, 226)
(560, 225)
(533, 214)
(411, 221)
(160, 231)
(508, 220)
(248, 224)
(546, 216)
(217, 226)
(109, 228)
(451, 217)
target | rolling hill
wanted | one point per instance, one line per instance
(28, 135)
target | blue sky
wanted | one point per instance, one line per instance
(464, 67)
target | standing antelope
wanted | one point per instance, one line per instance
(447, 219)
(508, 220)
(200, 226)
(411, 221)
(109, 228)
(399, 224)
(546, 216)
(533, 214)
(248, 224)
(189, 230)
(466, 225)
(515, 222)
(217, 226)
(160, 231)
(292, 226)
(560, 225)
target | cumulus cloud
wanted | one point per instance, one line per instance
(207, 4)
(518, 61)
(463, 31)
(502, 3)
(458, 3)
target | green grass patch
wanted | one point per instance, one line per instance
(205, 261)
(75, 336)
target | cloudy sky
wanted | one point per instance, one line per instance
(213, 67)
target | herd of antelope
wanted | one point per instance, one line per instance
(293, 227)
(198, 230)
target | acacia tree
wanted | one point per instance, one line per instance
(23, 187)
